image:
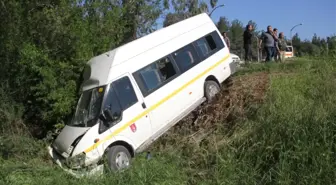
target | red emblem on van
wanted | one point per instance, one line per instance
(133, 127)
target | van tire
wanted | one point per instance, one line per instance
(118, 158)
(211, 89)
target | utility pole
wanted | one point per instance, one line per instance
(291, 32)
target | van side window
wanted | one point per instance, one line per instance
(202, 47)
(205, 46)
(208, 45)
(166, 68)
(125, 92)
(211, 42)
(218, 40)
(186, 58)
(155, 75)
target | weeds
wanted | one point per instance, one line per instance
(275, 125)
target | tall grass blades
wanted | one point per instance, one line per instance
(287, 137)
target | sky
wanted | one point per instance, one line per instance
(316, 16)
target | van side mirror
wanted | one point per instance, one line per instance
(108, 116)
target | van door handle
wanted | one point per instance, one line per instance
(143, 105)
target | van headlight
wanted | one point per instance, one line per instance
(76, 161)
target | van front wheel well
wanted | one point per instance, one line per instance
(213, 78)
(125, 144)
(211, 88)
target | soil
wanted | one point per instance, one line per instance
(239, 97)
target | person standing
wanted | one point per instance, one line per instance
(226, 39)
(282, 44)
(268, 39)
(276, 51)
(248, 42)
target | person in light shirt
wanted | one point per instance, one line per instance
(268, 40)
(282, 45)
(226, 39)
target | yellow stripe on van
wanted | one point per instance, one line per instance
(117, 131)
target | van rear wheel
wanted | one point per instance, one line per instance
(211, 88)
(118, 158)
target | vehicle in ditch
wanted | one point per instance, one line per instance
(133, 94)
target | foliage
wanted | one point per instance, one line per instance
(223, 24)
(186, 8)
(236, 36)
(45, 45)
(235, 30)
(288, 140)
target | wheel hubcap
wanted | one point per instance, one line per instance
(122, 160)
(213, 90)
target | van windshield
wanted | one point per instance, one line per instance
(88, 108)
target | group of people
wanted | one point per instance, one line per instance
(274, 44)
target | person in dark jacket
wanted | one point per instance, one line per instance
(276, 51)
(248, 42)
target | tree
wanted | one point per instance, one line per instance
(316, 40)
(47, 43)
(236, 36)
(140, 17)
(172, 18)
(296, 42)
(184, 9)
(223, 24)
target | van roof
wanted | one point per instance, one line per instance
(98, 67)
(140, 45)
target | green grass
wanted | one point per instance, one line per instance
(289, 140)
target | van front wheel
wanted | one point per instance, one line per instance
(211, 88)
(118, 158)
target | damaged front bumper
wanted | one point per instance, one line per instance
(78, 172)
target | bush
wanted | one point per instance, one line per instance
(289, 139)
(10, 114)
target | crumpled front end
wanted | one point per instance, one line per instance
(75, 165)
(67, 152)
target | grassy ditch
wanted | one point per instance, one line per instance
(275, 124)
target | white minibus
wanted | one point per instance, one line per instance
(133, 94)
